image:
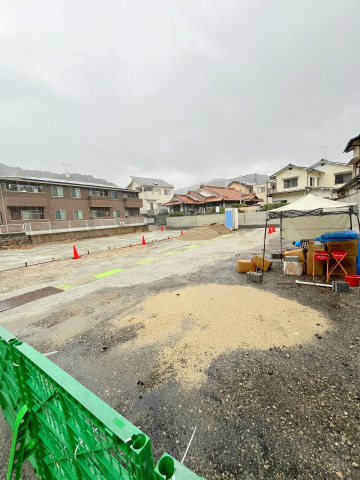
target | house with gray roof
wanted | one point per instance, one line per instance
(154, 193)
(322, 178)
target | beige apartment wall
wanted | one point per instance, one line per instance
(236, 187)
(295, 172)
(263, 194)
(289, 197)
(328, 178)
(152, 197)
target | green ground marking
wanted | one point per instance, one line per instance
(205, 242)
(147, 260)
(227, 235)
(172, 253)
(64, 287)
(110, 272)
(192, 246)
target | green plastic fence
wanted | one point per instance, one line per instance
(66, 431)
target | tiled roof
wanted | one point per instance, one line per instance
(195, 196)
(351, 142)
(221, 193)
(151, 182)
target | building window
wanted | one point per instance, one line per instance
(75, 192)
(167, 192)
(116, 213)
(280, 201)
(31, 213)
(100, 212)
(60, 214)
(312, 181)
(20, 187)
(157, 190)
(342, 177)
(131, 212)
(57, 192)
(291, 183)
(261, 189)
(130, 195)
(98, 193)
(317, 181)
(115, 195)
(78, 215)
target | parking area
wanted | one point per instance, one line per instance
(173, 337)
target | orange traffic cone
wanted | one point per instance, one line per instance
(181, 233)
(273, 229)
(270, 231)
(162, 228)
(76, 255)
(143, 241)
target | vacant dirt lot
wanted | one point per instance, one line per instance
(268, 373)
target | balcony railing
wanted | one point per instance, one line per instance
(32, 228)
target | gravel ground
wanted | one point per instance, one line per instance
(268, 373)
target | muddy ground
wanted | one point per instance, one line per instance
(267, 406)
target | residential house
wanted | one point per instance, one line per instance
(322, 179)
(154, 193)
(352, 186)
(26, 199)
(208, 199)
(241, 186)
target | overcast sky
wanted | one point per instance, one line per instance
(183, 90)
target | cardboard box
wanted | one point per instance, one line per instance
(349, 263)
(258, 261)
(303, 265)
(319, 266)
(293, 268)
(244, 266)
(316, 248)
(349, 246)
(299, 252)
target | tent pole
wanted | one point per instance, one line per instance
(281, 249)
(266, 222)
(357, 216)
(351, 226)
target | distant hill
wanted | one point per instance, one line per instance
(252, 179)
(22, 172)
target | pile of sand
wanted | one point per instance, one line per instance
(205, 233)
(194, 325)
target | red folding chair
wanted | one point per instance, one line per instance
(321, 257)
(338, 256)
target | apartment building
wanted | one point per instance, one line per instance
(154, 193)
(322, 179)
(26, 199)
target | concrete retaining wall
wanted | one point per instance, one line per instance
(246, 220)
(79, 235)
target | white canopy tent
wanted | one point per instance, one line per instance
(311, 216)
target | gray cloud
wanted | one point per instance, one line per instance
(177, 89)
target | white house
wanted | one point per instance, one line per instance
(322, 179)
(154, 192)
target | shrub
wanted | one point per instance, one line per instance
(221, 210)
(270, 206)
(176, 214)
